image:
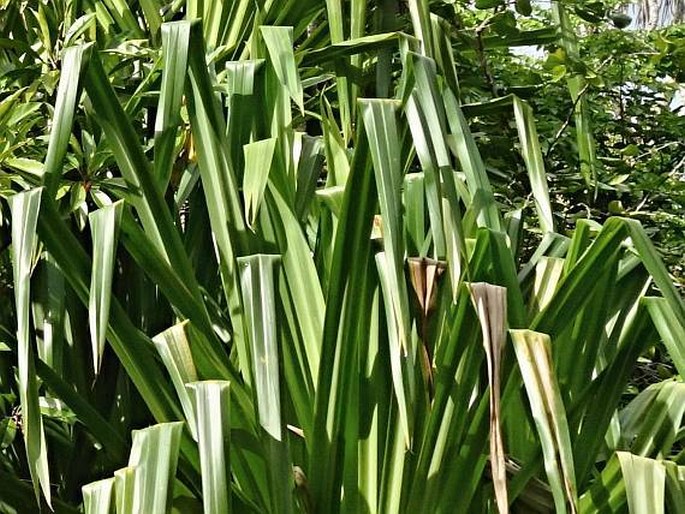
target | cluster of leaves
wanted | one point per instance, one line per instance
(634, 93)
(272, 236)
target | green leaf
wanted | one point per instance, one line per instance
(645, 483)
(56, 409)
(309, 167)
(8, 431)
(259, 298)
(589, 164)
(123, 16)
(154, 456)
(220, 185)
(381, 130)
(548, 273)
(104, 228)
(402, 348)
(279, 44)
(97, 497)
(350, 260)
(675, 487)
(651, 422)
(175, 44)
(530, 149)
(608, 492)
(78, 28)
(534, 359)
(104, 432)
(126, 482)
(524, 7)
(364, 44)
(257, 286)
(25, 208)
(211, 405)
(336, 21)
(48, 308)
(67, 98)
(488, 4)
(420, 19)
(471, 162)
(305, 292)
(258, 158)
(173, 346)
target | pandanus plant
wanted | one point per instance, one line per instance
(341, 322)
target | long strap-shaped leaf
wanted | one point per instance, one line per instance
(175, 58)
(73, 260)
(125, 480)
(279, 44)
(671, 329)
(259, 298)
(219, 184)
(258, 157)
(471, 162)
(173, 347)
(491, 305)
(97, 497)
(530, 149)
(145, 192)
(338, 351)
(335, 20)
(104, 228)
(535, 362)
(131, 346)
(381, 130)
(675, 487)
(651, 422)
(211, 406)
(65, 103)
(154, 454)
(300, 274)
(25, 208)
(420, 18)
(645, 481)
(48, 307)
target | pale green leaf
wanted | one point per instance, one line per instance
(154, 456)
(211, 405)
(25, 209)
(532, 156)
(97, 497)
(534, 359)
(173, 346)
(104, 228)
(279, 43)
(645, 483)
(258, 157)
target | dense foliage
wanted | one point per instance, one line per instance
(360, 256)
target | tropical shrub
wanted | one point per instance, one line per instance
(258, 266)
